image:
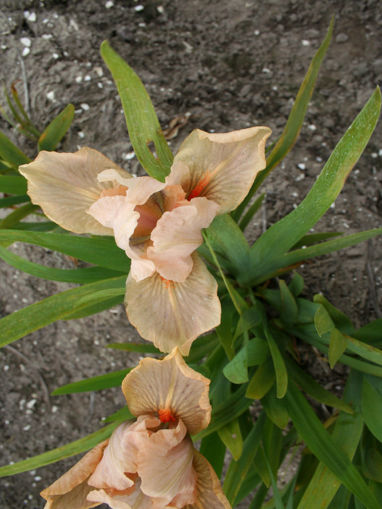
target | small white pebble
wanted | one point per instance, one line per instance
(78, 79)
(129, 155)
(73, 24)
(304, 42)
(275, 88)
(81, 134)
(300, 177)
(54, 409)
(142, 24)
(85, 106)
(87, 77)
(31, 404)
(138, 8)
(160, 9)
(50, 95)
(47, 36)
(266, 70)
(4, 47)
(25, 41)
(27, 427)
(98, 71)
(56, 56)
(45, 21)
(25, 52)
(30, 16)
(380, 152)
(257, 32)
(6, 367)
(301, 166)
(312, 127)
(38, 478)
(99, 85)
(109, 4)
(319, 159)
(374, 155)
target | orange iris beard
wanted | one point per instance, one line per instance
(165, 415)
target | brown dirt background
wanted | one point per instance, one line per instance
(230, 64)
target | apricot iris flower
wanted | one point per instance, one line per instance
(150, 463)
(171, 298)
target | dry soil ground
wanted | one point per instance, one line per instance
(229, 64)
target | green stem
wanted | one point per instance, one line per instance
(225, 280)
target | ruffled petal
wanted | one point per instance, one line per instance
(120, 455)
(209, 491)
(177, 235)
(169, 384)
(141, 188)
(117, 213)
(111, 175)
(118, 458)
(65, 185)
(222, 166)
(71, 489)
(173, 314)
(136, 500)
(165, 466)
(106, 211)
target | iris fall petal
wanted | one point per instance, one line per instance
(65, 185)
(169, 384)
(221, 166)
(173, 314)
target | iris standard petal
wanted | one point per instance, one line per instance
(173, 314)
(71, 489)
(177, 235)
(165, 466)
(169, 385)
(209, 492)
(117, 213)
(65, 185)
(222, 166)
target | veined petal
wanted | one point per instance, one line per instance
(222, 166)
(209, 491)
(173, 314)
(71, 489)
(177, 235)
(65, 185)
(169, 384)
(165, 466)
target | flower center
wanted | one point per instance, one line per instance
(165, 415)
(200, 186)
(149, 213)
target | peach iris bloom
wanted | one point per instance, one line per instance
(151, 463)
(171, 298)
